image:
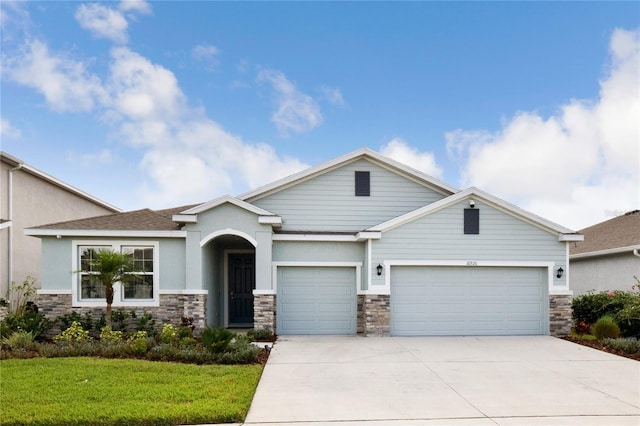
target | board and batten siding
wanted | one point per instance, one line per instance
(440, 236)
(328, 202)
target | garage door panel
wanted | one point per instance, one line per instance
(467, 300)
(316, 300)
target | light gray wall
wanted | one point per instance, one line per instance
(298, 251)
(57, 258)
(603, 273)
(328, 202)
(440, 236)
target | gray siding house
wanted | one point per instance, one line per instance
(360, 244)
(609, 258)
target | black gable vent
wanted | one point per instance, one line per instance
(471, 221)
(363, 184)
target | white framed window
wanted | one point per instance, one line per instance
(142, 289)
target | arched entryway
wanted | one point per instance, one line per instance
(229, 275)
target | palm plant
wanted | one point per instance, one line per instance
(109, 267)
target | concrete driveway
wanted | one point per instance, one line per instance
(385, 381)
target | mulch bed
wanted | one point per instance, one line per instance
(595, 344)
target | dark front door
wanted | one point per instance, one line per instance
(241, 285)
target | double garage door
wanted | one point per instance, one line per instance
(425, 300)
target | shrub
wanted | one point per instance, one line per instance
(188, 342)
(87, 347)
(628, 345)
(605, 326)
(20, 341)
(168, 334)
(108, 335)
(216, 339)
(139, 343)
(239, 352)
(261, 335)
(29, 321)
(622, 305)
(145, 323)
(75, 333)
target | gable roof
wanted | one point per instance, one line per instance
(566, 233)
(18, 164)
(227, 199)
(386, 162)
(621, 233)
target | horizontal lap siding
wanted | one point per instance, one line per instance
(328, 202)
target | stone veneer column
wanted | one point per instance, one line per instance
(264, 312)
(360, 315)
(377, 315)
(560, 320)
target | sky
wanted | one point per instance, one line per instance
(162, 104)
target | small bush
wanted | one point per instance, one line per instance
(75, 333)
(239, 352)
(145, 322)
(628, 345)
(20, 341)
(188, 342)
(605, 326)
(70, 349)
(216, 339)
(261, 335)
(28, 320)
(107, 334)
(139, 343)
(168, 334)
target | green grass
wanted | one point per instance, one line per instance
(92, 391)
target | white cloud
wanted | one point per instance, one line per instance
(103, 22)
(332, 95)
(138, 6)
(101, 157)
(400, 151)
(297, 111)
(8, 131)
(65, 83)
(574, 166)
(206, 53)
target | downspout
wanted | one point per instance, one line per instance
(10, 235)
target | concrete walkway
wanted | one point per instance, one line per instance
(427, 381)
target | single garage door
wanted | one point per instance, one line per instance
(316, 300)
(429, 301)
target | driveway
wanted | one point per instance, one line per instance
(416, 381)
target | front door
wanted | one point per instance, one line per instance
(241, 285)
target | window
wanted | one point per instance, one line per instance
(471, 221)
(141, 289)
(363, 186)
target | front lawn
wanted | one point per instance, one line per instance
(93, 391)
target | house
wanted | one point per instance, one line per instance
(29, 197)
(609, 256)
(359, 244)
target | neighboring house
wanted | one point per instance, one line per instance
(360, 244)
(29, 197)
(609, 256)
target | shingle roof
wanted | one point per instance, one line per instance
(621, 231)
(137, 220)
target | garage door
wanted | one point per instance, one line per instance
(316, 300)
(429, 301)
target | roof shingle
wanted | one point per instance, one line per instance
(621, 231)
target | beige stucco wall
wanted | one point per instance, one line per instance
(36, 201)
(614, 272)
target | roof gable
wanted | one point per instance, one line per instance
(566, 234)
(386, 162)
(622, 232)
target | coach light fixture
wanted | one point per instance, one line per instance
(472, 203)
(560, 272)
(379, 269)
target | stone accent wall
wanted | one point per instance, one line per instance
(360, 315)
(560, 320)
(171, 310)
(377, 318)
(264, 312)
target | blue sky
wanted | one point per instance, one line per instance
(159, 104)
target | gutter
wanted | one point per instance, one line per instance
(635, 252)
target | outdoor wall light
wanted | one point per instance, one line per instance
(560, 272)
(379, 269)
(472, 203)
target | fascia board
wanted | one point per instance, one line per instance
(270, 220)
(34, 232)
(185, 218)
(227, 199)
(571, 237)
(605, 252)
(6, 224)
(481, 195)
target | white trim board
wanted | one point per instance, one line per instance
(35, 232)
(605, 252)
